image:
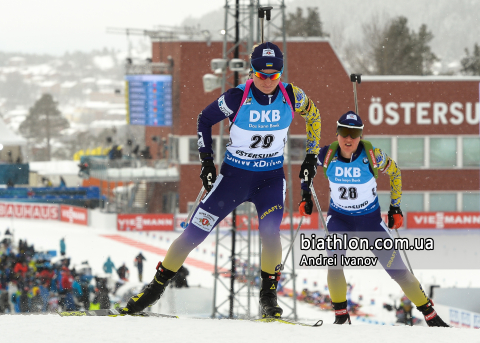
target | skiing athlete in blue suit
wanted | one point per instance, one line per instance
(351, 166)
(260, 113)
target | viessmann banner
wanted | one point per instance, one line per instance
(74, 215)
(414, 220)
(145, 222)
(29, 211)
(443, 220)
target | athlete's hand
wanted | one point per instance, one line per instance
(306, 205)
(308, 168)
(395, 217)
(209, 172)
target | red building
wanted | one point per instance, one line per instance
(429, 125)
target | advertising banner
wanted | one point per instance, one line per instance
(74, 215)
(29, 211)
(443, 220)
(145, 222)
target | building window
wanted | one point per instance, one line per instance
(443, 202)
(412, 202)
(223, 148)
(443, 152)
(193, 155)
(384, 201)
(385, 144)
(192, 150)
(471, 151)
(411, 152)
(298, 146)
(174, 149)
(471, 202)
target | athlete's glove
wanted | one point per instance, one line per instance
(395, 217)
(209, 172)
(308, 168)
(306, 205)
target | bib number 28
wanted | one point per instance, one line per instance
(348, 193)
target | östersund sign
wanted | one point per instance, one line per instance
(423, 113)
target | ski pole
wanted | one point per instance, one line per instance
(291, 245)
(319, 209)
(355, 78)
(185, 223)
(262, 12)
(405, 254)
(282, 266)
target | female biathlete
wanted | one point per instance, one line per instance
(351, 166)
(260, 113)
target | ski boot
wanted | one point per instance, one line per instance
(150, 294)
(268, 295)
(341, 313)
(431, 316)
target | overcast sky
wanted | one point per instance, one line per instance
(56, 26)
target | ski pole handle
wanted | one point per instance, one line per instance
(262, 12)
(355, 78)
(209, 178)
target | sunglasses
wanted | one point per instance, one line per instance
(348, 131)
(263, 76)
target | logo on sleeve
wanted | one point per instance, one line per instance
(299, 98)
(200, 142)
(223, 106)
(204, 220)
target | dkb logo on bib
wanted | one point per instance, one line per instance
(347, 172)
(264, 116)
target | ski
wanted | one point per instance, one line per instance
(286, 321)
(28, 314)
(111, 313)
(115, 313)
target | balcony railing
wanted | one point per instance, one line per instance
(129, 169)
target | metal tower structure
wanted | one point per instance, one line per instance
(241, 31)
(159, 34)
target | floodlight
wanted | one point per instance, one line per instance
(211, 82)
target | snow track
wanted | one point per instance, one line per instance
(53, 328)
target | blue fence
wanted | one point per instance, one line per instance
(78, 196)
(14, 174)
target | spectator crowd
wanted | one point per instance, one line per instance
(34, 281)
(30, 282)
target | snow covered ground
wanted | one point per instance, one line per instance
(94, 245)
(51, 328)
